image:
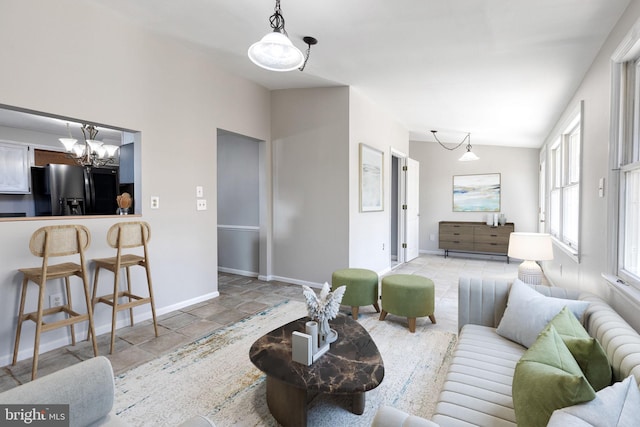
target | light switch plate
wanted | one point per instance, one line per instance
(201, 204)
(199, 191)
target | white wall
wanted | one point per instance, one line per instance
(370, 232)
(311, 196)
(518, 169)
(595, 91)
(78, 60)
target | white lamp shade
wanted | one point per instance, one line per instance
(275, 52)
(530, 246)
(79, 149)
(468, 156)
(95, 145)
(68, 143)
(111, 149)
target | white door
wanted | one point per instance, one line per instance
(412, 210)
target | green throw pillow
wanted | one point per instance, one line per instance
(547, 378)
(585, 349)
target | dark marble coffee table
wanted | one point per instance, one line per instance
(352, 366)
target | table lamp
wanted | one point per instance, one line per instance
(530, 247)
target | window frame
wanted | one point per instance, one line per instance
(624, 155)
(564, 157)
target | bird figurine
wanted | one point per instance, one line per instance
(324, 307)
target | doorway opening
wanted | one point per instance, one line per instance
(241, 187)
(405, 173)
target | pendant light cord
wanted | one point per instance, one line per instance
(466, 138)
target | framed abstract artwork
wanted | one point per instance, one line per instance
(371, 179)
(476, 193)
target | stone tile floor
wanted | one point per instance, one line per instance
(242, 297)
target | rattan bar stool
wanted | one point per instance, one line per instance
(48, 242)
(121, 236)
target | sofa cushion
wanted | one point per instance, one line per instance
(547, 378)
(528, 312)
(477, 389)
(616, 405)
(586, 350)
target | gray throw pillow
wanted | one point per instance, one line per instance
(615, 406)
(528, 312)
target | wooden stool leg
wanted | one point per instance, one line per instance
(354, 312)
(87, 298)
(114, 312)
(36, 343)
(68, 305)
(94, 297)
(25, 282)
(383, 315)
(129, 290)
(151, 298)
(432, 317)
(376, 306)
(412, 324)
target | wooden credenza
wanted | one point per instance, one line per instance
(462, 236)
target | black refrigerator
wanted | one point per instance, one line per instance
(74, 190)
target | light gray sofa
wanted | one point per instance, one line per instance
(477, 389)
(87, 387)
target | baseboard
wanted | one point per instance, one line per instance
(297, 281)
(238, 272)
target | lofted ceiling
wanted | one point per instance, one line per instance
(503, 70)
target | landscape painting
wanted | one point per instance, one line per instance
(371, 179)
(476, 193)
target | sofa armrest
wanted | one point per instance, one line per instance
(387, 416)
(87, 387)
(481, 301)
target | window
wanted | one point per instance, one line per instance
(631, 223)
(626, 161)
(564, 192)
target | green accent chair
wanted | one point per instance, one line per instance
(362, 288)
(408, 295)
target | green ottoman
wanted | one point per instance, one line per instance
(408, 295)
(362, 288)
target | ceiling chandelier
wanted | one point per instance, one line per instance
(466, 157)
(275, 52)
(90, 152)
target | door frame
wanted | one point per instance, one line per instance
(400, 224)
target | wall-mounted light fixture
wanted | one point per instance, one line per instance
(275, 52)
(466, 157)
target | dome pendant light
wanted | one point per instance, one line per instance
(275, 52)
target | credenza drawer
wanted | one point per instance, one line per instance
(456, 236)
(456, 245)
(500, 248)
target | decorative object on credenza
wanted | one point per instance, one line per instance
(323, 308)
(530, 247)
(275, 52)
(124, 203)
(476, 193)
(467, 156)
(371, 179)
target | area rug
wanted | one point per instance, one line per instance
(213, 376)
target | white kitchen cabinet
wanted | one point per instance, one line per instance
(14, 168)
